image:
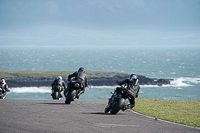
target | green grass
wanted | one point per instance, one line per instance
(183, 112)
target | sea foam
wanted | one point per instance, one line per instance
(31, 90)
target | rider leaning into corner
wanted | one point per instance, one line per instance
(81, 77)
(4, 85)
(59, 83)
(132, 87)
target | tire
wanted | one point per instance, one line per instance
(107, 109)
(1, 96)
(56, 95)
(70, 96)
(120, 103)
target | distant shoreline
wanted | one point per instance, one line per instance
(95, 78)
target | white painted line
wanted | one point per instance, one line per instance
(114, 125)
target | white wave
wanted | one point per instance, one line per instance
(31, 90)
(152, 86)
(193, 80)
(179, 88)
(185, 81)
(100, 87)
(179, 82)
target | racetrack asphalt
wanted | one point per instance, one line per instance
(81, 116)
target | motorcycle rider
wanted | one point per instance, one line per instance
(58, 84)
(81, 77)
(133, 88)
(4, 86)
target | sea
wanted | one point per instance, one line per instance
(180, 63)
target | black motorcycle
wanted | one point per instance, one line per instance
(2, 93)
(56, 93)
(117, 101)
(73, 91)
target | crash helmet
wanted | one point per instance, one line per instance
(81, 69)
(2, 80)
(133, 76)
(59, 77)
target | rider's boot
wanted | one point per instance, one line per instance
(60, 94)
(52, 93)
(129, 106)
(78, 95)
(124, 108)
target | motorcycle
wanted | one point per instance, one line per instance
(73, 91)
(117, 101)
(56, 93)
(2, 94)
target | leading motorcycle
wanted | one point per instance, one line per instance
(73, 91)
(117, 101)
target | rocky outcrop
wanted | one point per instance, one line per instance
(94, 79)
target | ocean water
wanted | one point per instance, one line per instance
(179, 63)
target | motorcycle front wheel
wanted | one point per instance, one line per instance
(117, 105)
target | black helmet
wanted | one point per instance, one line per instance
(81, 69)
(133, 76)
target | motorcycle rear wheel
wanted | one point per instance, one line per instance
(70, 96)
(56, 95)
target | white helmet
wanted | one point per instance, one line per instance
(133, 76)
(2, 81)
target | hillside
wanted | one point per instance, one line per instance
(95, 78)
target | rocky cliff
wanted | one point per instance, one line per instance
(94, 79)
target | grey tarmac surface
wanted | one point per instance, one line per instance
(81, 116)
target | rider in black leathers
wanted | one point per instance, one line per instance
(80, 77)
(58, 83)
(133, 88)
(4, 86)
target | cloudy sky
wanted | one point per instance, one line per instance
(99, 22)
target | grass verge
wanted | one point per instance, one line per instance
(183, 112)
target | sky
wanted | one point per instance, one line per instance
(99, 22)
